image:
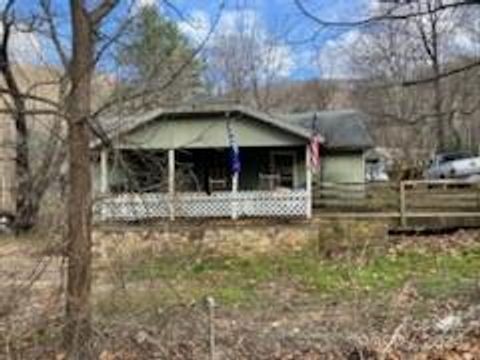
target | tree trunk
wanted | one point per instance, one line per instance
(77, 328)
(24, 213)
(433, 49)
(442, 125)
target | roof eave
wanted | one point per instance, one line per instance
(277, 123)
(349, 147)
(217, 109)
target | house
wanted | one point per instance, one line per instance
(176, 162)
(347, 140)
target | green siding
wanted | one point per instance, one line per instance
(343, 167)
(207, 133)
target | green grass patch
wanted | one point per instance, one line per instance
(236, 281)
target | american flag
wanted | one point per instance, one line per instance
(315, 142)
(235, 164)
(315, 152)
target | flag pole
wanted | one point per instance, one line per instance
(235, 167)
(234, 196)
(308, 178)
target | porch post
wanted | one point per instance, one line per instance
(308, 180)
(171, 183)
(104, 171)
(235, 196)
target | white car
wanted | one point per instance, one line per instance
(376, 172)
(454, 165)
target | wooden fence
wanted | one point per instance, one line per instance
(408, 199)
(447, 198)
(356, 197)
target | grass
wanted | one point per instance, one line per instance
(241, 282)
(35, 239)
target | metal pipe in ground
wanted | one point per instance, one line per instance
(211, 325)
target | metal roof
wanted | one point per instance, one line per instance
(342, 129)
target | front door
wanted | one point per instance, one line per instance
(283, 165)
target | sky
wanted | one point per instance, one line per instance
(281, 19)
(302, 57)
(296, 54)
(327, 54)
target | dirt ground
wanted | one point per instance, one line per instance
(291, 322)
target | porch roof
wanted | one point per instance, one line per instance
(119, 127)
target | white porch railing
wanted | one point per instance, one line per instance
(132, 207)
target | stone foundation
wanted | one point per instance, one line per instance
(238, 239)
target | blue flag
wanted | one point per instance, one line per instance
(234, 151)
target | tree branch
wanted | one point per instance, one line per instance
(19, 94)
(102, 10)
(442, 75)
(52, 31)
(388, 15)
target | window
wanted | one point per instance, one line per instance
(283, 165)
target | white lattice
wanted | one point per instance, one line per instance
(131, 207)
(218, 204)
(271, 203)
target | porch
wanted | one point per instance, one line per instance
(147, 184)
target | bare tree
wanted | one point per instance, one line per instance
(399, 10)
(429, 29)
(412, 43)
(395, 52)
(30, 108)
(245, 62)
(18, 106)
(86, 24)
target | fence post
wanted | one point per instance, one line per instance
(403, 215)
(211, 326)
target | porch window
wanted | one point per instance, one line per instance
(217, 172)
(283, 165)
(269, 181)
